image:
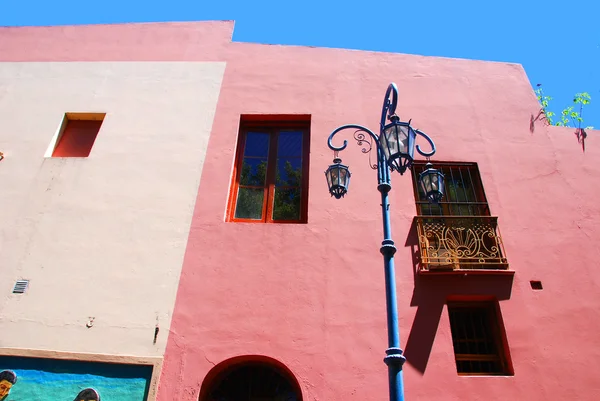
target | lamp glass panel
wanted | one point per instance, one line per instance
(388, 143)
(425, 183)
(343, 176)
(335, 176)
(395, 140)
(328, 177)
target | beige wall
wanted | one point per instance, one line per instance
(102, 236)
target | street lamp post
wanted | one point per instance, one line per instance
(395, 149)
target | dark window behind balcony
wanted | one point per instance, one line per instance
(459, 232)
(463, 194)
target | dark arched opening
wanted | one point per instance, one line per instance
(250, 379)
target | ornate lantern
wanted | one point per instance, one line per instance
(338, 178)
(397, 141)
(432, 183)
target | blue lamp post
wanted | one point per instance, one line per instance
(395, 150)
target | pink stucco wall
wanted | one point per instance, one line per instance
(312, 295)
(120, 42)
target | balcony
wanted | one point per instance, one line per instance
(460, 244)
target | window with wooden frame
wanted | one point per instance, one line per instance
(463, 191)
(478, 338)
(270, 177)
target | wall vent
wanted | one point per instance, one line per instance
(20, 286)
(536, 285)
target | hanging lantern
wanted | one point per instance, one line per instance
(398, 144)
(432, 183)
(338, 178)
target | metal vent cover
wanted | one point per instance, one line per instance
(20, 286)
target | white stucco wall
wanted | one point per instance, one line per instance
(102, 236)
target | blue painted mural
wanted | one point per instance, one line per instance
(37, 379)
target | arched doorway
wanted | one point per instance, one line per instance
(250, 379)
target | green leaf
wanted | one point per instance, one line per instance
(567, 116)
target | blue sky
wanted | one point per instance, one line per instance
(557, 42)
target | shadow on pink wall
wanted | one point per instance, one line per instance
(432, 292)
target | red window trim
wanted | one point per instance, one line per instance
(271, 126)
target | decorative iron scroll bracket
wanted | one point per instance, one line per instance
(389, 111)
(428, 139)
(361, 133)
(361, 138)
(389, 105)
(357, 134)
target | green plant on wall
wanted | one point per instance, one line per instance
(544, 102)
(570, 116)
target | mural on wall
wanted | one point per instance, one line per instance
(37, 379)
(7, 379)
(88, 394)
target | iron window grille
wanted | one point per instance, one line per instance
(478, 338)
(463, 194)
(458, 233)
(254, 382)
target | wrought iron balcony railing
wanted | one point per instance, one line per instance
(450, 243)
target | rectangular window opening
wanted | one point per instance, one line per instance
(536, 285)
(270, 177)
(459, 232)
(463, 191)
(76, 135)
(478, 339)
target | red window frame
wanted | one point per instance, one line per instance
(272, 128)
